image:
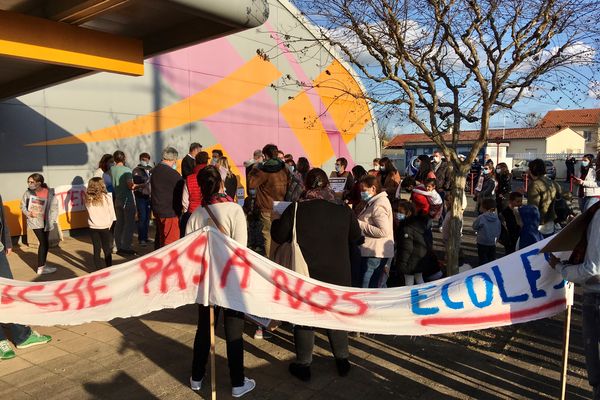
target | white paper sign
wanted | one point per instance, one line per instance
(337, 184)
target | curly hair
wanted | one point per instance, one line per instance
(94, 195)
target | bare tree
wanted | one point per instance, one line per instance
(530, 120)
(444, 62)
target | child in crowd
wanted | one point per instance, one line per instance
(488, 228)
(433, 198)
(411, 246)
(530, 234)
(101, 215)
(511, 222)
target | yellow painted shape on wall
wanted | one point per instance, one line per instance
(341, 95)
(306, 125)
(70, 58)
(237, 87)
(73, 220)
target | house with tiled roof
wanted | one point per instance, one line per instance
(503, 144)
(586, 122)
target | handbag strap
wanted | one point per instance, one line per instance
(294, 227)
(215, 220)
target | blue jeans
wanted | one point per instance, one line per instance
(143, 209)
(19, 333)
(373, 272)
(591, 337)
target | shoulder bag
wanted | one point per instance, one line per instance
(289, 255)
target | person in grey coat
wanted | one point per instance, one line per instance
(40, 206)
(488, 228)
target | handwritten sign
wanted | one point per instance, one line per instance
(207, 267)
(337, 184)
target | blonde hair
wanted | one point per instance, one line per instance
(96, 190)
(223, 162)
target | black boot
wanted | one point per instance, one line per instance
(343, 366)
(300, 371)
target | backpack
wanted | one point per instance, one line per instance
(294, 188)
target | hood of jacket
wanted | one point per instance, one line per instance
(271, 166)
(489, 217)
(530, 216)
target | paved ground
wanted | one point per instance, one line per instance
(150, 357)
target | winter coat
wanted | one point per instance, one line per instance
(589, 184)
(488, 228)
(390, 181)
(530, 216)
(411, 247)
(50, 213)
(324, 231)
(376, 224)
(541, 194)
(270, 180)
(443, 179)
(420, 201)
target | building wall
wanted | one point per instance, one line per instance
(219, 93)
(534, 146)
(592, 145)
(565, 141)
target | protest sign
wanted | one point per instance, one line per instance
(207, 267)
(337, 184)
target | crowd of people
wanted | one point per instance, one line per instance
(379, 235)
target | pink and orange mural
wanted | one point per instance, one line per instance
(235, 99)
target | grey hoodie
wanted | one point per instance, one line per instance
(488, 228)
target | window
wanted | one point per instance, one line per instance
(587, 135)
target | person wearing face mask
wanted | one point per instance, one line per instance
(167, 192)
(340, 172)
(486, 187)
(588, 192)
(141, 179)
(376, 224)
(504, 188)
(411, 247)
(425, 169)
(216, 154)
(376, 166)
(40, 206)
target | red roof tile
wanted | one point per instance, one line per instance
(471, 136)
(564, 118)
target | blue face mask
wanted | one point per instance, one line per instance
(175, 166)
(337, 168)
(400, 216)
(365, 196)
(485, 171)
(382, 169)
(585, 163)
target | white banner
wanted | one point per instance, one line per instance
(209, 268)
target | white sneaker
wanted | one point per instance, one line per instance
(239, 391)
(195, 385)
(43, 270)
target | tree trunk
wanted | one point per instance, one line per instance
(456, 222)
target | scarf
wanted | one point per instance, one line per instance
(319, 194)
(217, 198)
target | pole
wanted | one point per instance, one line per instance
(213, 374)
(472, 181)
(565, 360)
(526, 181)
